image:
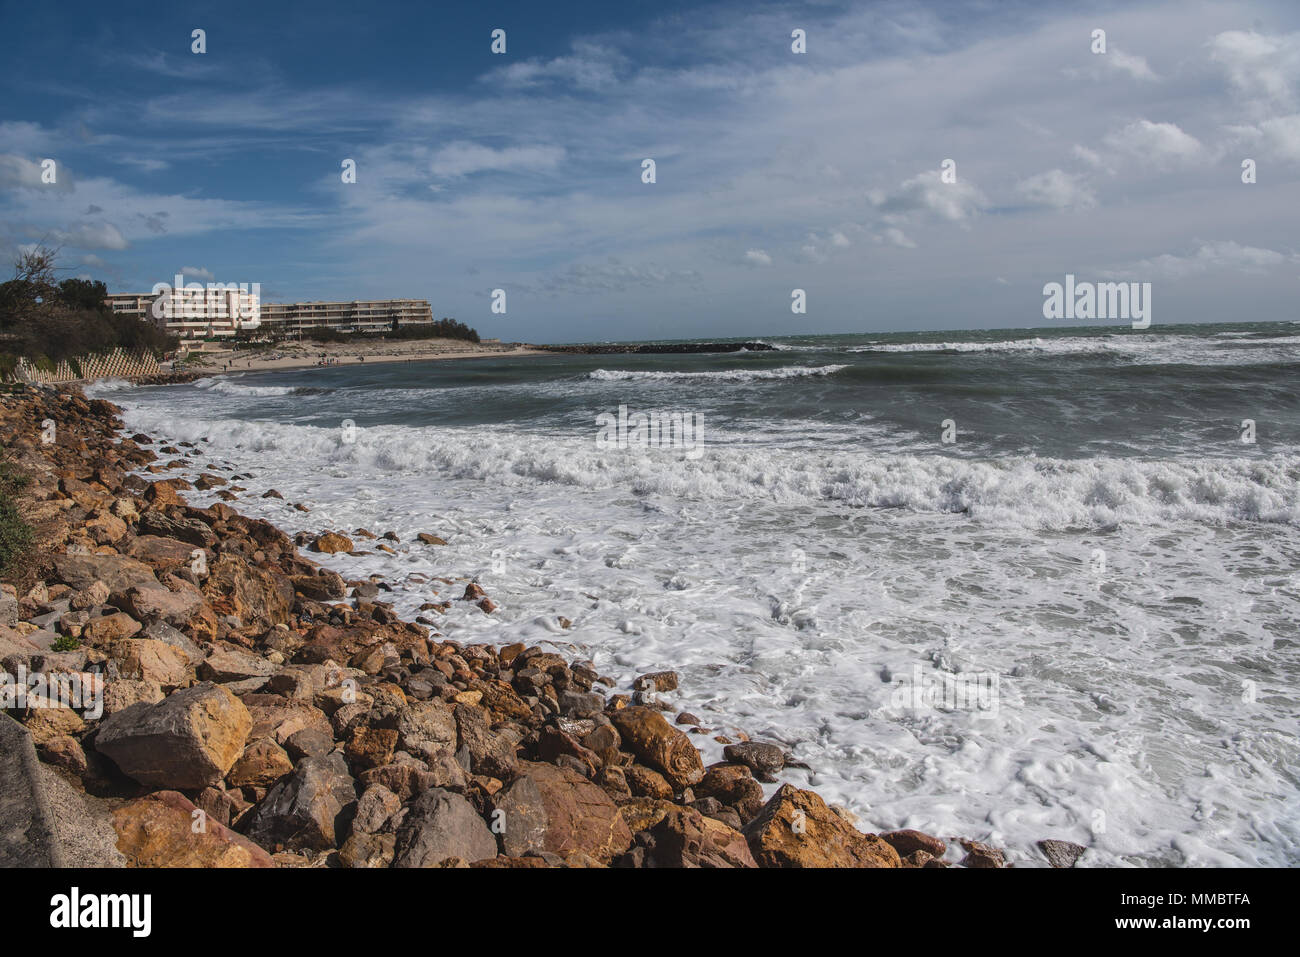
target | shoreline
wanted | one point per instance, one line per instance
(243, 679)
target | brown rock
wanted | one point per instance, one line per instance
(145, 659)
(661, 746)
(262, 764)
(331, 542)
(110, 628)
(164, 829)
(189, 740)
(734, 786)
(981, 855)
(644, 782)
(307, 809)
(656, 681)
(370, 747)
(906, 841)
(797, 829)
(1061, 853)
(441, 824)
(557, 810)
(254, 595)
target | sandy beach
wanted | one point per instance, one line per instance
(305, 355)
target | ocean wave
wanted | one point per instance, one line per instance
(721, 375)
(1055, 346)
(1022, 490)
(233, 388)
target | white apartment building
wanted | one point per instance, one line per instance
(195, 311)
(291, 319)
(221, 310)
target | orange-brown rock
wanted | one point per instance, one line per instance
(331, 542)
(658, 744)
(797, 829)
(164, 830)
(555, 809)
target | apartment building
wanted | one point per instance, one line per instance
(219, 311)
(291, 319)
(195, 311)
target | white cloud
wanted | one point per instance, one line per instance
(1218, 255)
(90, 235)
(758, 257)
(197, 272)
(1132, 64)
(18, 171)
(1259, 66)
(1057, 189)
(893, 236)
(1161, 144)
(925, 195)
(590, 67)
(463, 159)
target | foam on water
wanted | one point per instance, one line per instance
(720, 375)
(1135, 616)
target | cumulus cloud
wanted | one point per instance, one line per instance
(1057, 189)
(1259, 66)
(1160, 144)
(758, 257)
(924, 195)
(197, 272)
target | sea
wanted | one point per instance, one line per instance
(1004, 585)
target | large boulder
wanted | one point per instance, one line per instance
(164, 830)
(145, 659)
(308, 810)
(485, 751)
(797, 829)
(150, 604)
(683, 837)
(187, 741)
(734, 786)
(659, 745)
(253, 595)
(427, 728)
(189, 530)
(441, 824)
(554, 809)
(116, 571)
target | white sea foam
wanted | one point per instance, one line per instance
(720, 375)
(233, 387)
(1121, 725)
(1147, 348)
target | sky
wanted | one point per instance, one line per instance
(775, 170)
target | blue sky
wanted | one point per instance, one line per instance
(775, 170)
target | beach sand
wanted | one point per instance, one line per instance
(306, 355)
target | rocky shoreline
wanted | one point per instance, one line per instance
(291, 713)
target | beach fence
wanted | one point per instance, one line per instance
(118, 364)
